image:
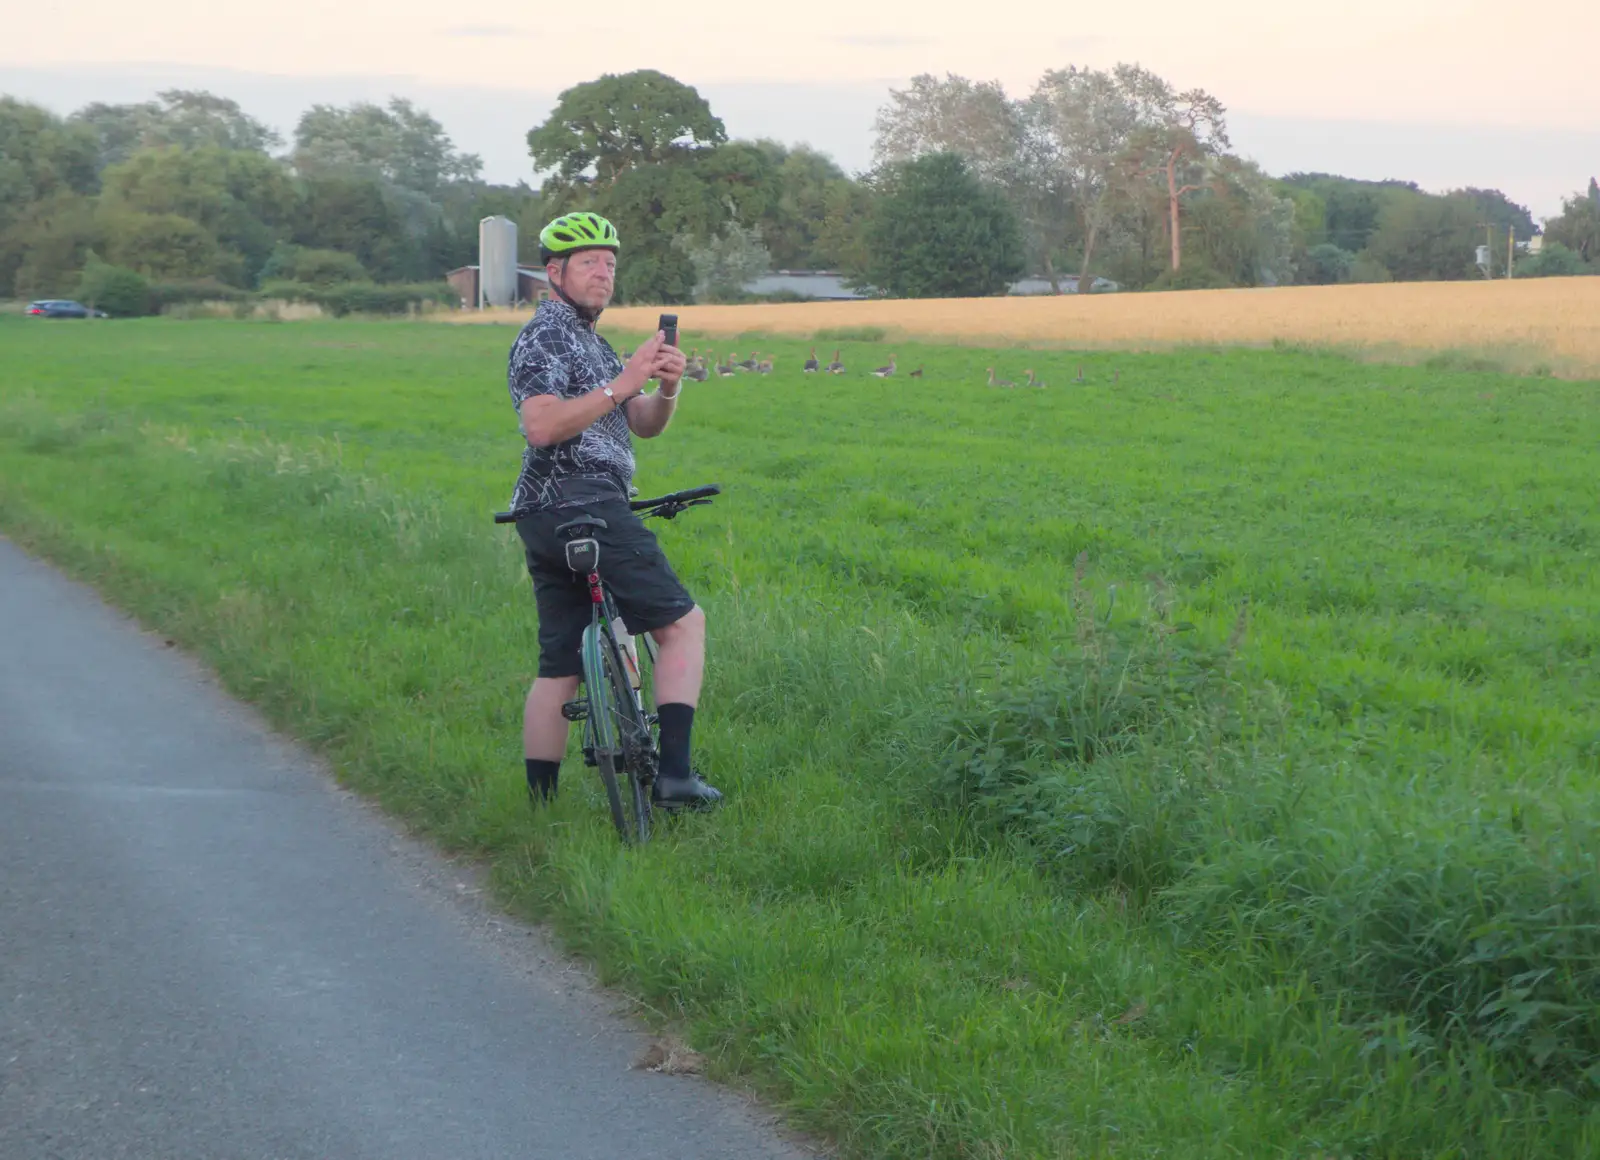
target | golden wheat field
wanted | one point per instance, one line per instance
(1550, 321)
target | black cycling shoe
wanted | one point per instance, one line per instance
(684, 793)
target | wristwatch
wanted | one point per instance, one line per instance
(610, 394)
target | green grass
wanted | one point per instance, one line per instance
(1267, 830)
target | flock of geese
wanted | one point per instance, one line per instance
(702, 367)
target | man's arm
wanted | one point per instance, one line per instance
(648, 415)
(550, 419)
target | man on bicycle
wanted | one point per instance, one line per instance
(580, 405)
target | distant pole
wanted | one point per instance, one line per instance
(1511, 251)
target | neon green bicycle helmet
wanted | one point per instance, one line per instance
(572, 232)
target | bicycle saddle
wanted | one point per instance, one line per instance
(582, 523)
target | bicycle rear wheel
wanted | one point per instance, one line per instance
(602, 726)
(636, 771)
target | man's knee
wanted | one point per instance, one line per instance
(552, 687)
(690, 626)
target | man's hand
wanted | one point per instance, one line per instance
(641, 368)
(669, 364)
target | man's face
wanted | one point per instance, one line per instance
(590, 278)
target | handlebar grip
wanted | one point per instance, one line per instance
(506, 517)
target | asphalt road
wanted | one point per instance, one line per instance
(207, 950)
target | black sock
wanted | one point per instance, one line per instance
(676, 722)
(542, 778)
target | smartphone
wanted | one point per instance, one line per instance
(668, 325)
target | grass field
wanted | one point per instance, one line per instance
(1197, 760)
(1542, 323)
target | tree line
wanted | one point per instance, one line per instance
(1094, 174)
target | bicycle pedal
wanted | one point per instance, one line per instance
(588, 756)
(575, 710)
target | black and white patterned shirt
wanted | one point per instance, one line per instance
(559, 354)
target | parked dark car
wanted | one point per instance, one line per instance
(62, 308)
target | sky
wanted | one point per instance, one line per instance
(1443, 92)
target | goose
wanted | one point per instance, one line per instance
(884, 372)
(1080, 378)
(764, 367)
(994, 382)
(697, 371)
(835, 367)
(916, 374)
(1032, 380)
(748, 364)
(726, 369)
(812, 365)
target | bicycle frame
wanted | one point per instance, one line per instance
(601, 730)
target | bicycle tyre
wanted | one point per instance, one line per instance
(630, 721)
(603, 726)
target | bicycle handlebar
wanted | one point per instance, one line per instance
(666, 506)
(678, 497)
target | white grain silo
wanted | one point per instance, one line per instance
(497, 262)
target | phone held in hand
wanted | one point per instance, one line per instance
(668, 325)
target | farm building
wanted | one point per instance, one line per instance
(824, 286)
(532, 285)
(819, 284)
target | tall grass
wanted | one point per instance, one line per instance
(1017, 864)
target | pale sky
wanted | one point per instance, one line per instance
(1407, 68)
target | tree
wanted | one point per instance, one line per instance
(804, 182)
(1327, 265)
(313, 267)
(1367, 269)
(1194, 134)
(400, 144)
(1578, 226)
(842, 236)
(725, 264)
(162, 247)
(356, 215)
(1095, 121)
(1240, 226)
(118, 291)
(1498, 211)
(974, 119)
(1351, 208)
(246, 200)
(938, 232)
(46, 245)
(602, 129)
(1423, 239)
(1553, 261)
(184, 118)
(1005, 143)
(40, 156)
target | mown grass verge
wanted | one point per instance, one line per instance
(1015, 866)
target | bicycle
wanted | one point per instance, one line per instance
(620, 728)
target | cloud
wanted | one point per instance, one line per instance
(486, 31)
(881, 40)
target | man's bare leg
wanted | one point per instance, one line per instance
(544, 731)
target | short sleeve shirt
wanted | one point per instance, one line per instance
(560, 354)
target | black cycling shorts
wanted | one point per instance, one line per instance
(648, 593)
